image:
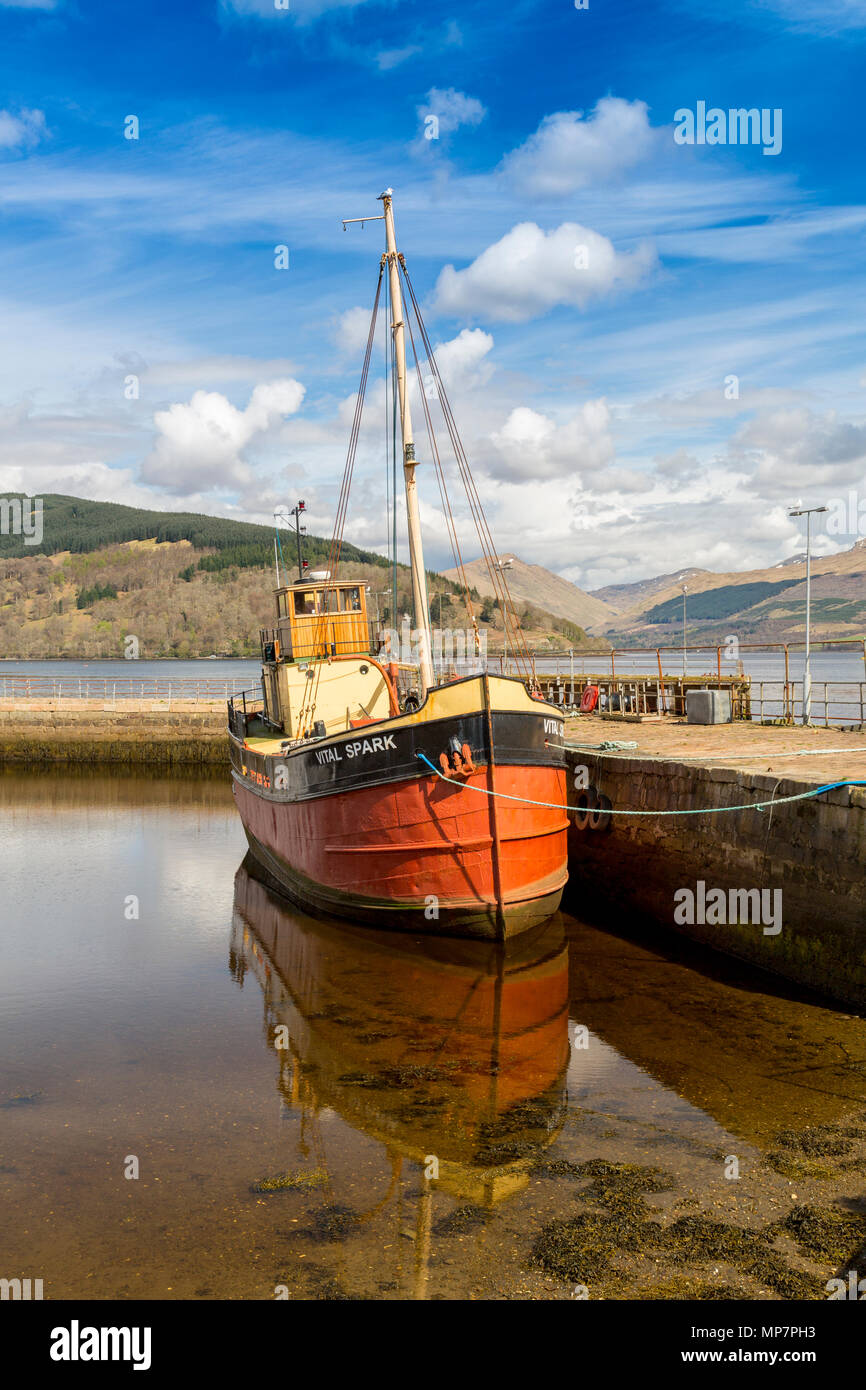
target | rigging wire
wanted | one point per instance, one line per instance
(443, 490)
(494, 567)
(390, 498)
(394, 475)
(308, 706)
(489, 553)
(495, 572)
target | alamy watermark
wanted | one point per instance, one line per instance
(450, 646)
(712, 907)
(737, 126)
(22, 516)
(847, 515)
(854, 1289)
(77, 1343)
(20, 1289)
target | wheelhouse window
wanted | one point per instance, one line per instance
(350, 600)
(305, 602)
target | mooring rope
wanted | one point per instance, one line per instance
(700, 811)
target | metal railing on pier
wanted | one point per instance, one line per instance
(126, 688)
(833, 702)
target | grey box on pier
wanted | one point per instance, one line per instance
(708, 706)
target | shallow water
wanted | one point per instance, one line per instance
(337, 1113)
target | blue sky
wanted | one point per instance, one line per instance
(595, 399)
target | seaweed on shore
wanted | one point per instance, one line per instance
(797, 1152)
(824, 1233)
(290, 1182)
(583, 1248)
(330, 1223)
(461, 1221)
(22, 1098)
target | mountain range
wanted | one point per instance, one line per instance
(762, 605)
(188, 585)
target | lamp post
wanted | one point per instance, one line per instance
(504, 565)
(685, 590)
(808, 512)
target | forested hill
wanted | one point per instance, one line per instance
(188, 586)
(80, 526)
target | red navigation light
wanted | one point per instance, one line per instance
(302, 506)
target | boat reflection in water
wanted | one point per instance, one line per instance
(437, 1048)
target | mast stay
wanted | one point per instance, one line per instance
(395, 263)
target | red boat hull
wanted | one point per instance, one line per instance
(421, 854)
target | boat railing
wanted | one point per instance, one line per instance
(278, 639)
(243, 708)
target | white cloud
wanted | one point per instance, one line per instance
(463, 362)
(303, 10)
(797, 451)
(22, 131)
(452, 109)
(201, 444)
(827, 16)
(774, 239)
(530, 271)
(568, 151)
(194, 370)
(531, 445)
(352, 330)
(711, 403)
(824, 17)
(388, 58)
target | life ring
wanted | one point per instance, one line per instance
(589, 699)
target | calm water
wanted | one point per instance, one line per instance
(834, 665)
(72, 671)
(154, 1037)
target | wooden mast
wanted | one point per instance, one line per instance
(416, 550)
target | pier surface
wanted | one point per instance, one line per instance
(788, 750)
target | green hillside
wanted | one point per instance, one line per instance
(187, 585)
(80, 526)
(723, 602)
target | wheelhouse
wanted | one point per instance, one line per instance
(318, 618)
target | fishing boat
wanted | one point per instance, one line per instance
(386, 786)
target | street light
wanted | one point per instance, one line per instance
(685, 590)
(807, 512)
(504, 565)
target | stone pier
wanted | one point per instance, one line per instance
(807, 858)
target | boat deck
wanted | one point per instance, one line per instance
(268, 746)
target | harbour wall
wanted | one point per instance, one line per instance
(156, 732)
(813, 851)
